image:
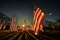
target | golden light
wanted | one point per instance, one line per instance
(35, 33)
(23, 25)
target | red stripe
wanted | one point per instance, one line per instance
(39, 13)
(38, 18)
(38, 21)
(35, 14)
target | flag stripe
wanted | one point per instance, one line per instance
(39, 22)
(38, 14)
(35, 14)
(37, 18)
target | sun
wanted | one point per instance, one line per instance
(23, 25)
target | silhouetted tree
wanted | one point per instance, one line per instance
(2, 16)
(49, 25)
(57, 24)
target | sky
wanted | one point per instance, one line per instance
(49, 7)
(23, 9)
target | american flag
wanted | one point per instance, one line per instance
(38, 18)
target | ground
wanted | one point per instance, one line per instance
(25, 35)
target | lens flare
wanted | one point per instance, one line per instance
(23, 25)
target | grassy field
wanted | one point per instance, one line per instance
(25, 35)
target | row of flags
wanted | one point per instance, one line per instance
(13, 25)
(38, 18)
